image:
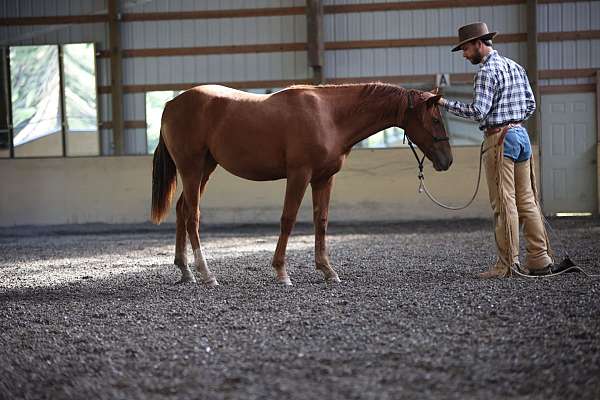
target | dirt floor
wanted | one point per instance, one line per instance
(91, 311)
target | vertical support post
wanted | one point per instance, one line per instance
(533, 124)
(61, 103)
(598, 107)
(116, 74)
(598, 137)
(316, 45)
(532, 69)
(5, 103)
(98, 102)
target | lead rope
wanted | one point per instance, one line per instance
(568, 266)
(423, 187)
(573, 268)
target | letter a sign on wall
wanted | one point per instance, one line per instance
(442, 80)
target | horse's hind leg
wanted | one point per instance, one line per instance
(181, 242)
(193, 185)
(321, 193)
(294, 192)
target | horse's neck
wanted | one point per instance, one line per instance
(366, 110)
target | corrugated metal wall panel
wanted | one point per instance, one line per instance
(571, 54)
(595, 15)
(106, 142)
(51, 34)
(213, 32)
(195, 5)
(135, 141)
(569, 16)
(37, 8)
(103, 71)
(341, 2)
(288, 29)
(414, 24)
(445, 22)
(214, 68)
(105, 109)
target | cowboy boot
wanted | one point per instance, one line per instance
(496, 271)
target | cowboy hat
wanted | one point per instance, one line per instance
(476, 30)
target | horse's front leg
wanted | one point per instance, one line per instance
(321, 193)
(294, 192)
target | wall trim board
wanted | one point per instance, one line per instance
(568, 73)
(55, 20)
(266, 12)
(206, 50)
(345, 45)
(463, 78)
(557, 89)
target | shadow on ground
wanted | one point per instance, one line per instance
(92, 311)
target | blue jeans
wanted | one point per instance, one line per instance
(516, 144)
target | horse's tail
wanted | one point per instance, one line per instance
(164, 182)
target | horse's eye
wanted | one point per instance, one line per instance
(435, 120)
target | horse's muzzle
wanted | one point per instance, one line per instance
(441, 162)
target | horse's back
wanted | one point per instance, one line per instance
(224, 92)
(252, 136)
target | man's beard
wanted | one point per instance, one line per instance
(477, 57)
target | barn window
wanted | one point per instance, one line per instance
(81, 110)
(391, 137)
(155, 102)
(52, 94)
(35, 101)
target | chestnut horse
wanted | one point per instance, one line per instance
(302, 133)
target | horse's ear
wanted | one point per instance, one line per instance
(433, 100)
(435, 91)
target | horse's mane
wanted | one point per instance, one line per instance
(369, 93)
(378, 96)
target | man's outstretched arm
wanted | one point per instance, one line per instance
(484, 86)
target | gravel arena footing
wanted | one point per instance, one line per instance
(92, 312)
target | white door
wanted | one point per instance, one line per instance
(568, 153)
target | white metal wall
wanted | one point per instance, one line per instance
(414, 24)
(206, 68)
(569, 54)
(583, 15)
(51, 34)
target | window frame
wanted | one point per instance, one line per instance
(7, 96)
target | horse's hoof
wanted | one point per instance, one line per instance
(285, 281)
(188, 279)
(333, 280)
(211, 282)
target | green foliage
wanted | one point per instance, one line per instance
(80, 86)
(35, 90)
(34, 85)
(155, 102)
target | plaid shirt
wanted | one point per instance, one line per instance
(502, 94)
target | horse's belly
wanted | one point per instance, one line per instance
(249, 156)
(253, 170)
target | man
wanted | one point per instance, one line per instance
(502, 100)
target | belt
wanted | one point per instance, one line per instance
(498, 129)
